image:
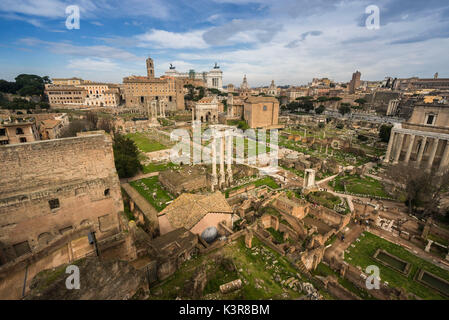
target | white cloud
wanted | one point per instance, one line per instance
(165, 39)
(93, 64)
(98, 51)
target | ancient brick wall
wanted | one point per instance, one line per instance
(52, 187)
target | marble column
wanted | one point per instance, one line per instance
(222, 178)
(214, 161)
(432, 154)
(421, 151)
(445, 159)
(410, 148)
(398, 148)
(390, 146)
(229, 142)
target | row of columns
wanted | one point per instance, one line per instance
(153, 111)
(396, 143)
(225, 178)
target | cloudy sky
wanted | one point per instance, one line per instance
(289, 41)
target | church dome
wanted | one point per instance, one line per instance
(209, 234)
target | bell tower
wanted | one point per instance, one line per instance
(150, 68)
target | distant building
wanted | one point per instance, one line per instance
(18, 131)
(272, 90)
(355, 82)
(206, 110)
(423, 140)
(141, 91)
(213, 78)
(261, 112)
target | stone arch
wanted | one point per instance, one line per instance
(85, 223)
(44, 238)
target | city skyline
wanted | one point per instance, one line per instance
(289, 41)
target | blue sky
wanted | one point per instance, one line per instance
(289, 41)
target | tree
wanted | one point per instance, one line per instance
(385, 132)
(423, 189)
(126, 156)
(320, 109)
(344, 108)
(361, 102)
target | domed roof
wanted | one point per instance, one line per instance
(209, 234)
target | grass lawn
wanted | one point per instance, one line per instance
(157, 167)
(144, 143)
(147, 187)
(324, 271)
(362, 255)
(255, 267)
(266, 181)
(358, 185)
(324, 198)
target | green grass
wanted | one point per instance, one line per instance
(438, 239)
(362, 255)
(324, 271)
(364, 186)
(266, 181)
(277, 235)
(144, 143)
(147, 186)
(157, 167)
(324, 198)
(249, 268)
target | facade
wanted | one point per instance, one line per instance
(213, 78)
(65, 94)
(54, 187)
(355, 82)
(272, 90)
(235, 107)
(141, 91)
(206, 110)
(67, 81)
(13, 132)
(423, 140)
(50, 129)
(261, 112)
(101, 94)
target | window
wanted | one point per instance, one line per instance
(107, 192)
(22, 140)
(265, 108)
(19, 131)
(430, 119)
(54, 203)
(2, 132)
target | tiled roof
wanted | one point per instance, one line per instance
(188, 209)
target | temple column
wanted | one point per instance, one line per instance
(222, 180)
(229, 158)
(410, 148)
(398, 148)
(432, 154)
(214, 161)
(390, 146)
(445, 159)
(421, 151)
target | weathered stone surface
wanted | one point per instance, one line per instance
(113, 280)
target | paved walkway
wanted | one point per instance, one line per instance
(140, 176)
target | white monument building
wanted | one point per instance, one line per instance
(213, 78)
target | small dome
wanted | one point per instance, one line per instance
(209, 234)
